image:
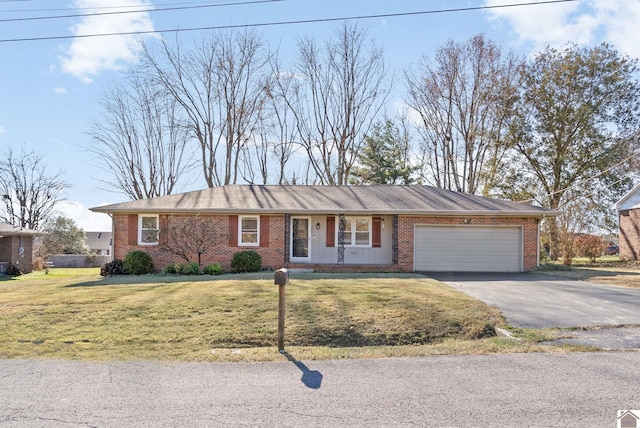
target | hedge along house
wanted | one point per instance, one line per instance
(400, 228)
(628, 208)
(16, 248)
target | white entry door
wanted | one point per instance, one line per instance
(300, 238)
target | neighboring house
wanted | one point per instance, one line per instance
(629, 222)
(399, 228)
(99, 243)
(16, 248)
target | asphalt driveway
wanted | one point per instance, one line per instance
(536, 301)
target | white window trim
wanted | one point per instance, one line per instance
(157, 217)
(248, 244)
(352, 219)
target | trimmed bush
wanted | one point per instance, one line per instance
(138, 263)
(213, 269)
(173, 268)
(246, 261)
(192, 268)
(114, 267)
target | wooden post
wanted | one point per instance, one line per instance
(280, 278)
(281, 319)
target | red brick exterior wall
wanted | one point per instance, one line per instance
(10, 252)
(629, 239)
(221, 252)
(406, 227)
(273, 254)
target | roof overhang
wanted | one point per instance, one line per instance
(472, 213)
(620, 205)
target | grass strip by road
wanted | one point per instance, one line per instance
(76, 314)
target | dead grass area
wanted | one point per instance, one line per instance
(608, 270)
(76, 314)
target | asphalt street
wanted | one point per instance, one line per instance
(533, 390)
(609, 316)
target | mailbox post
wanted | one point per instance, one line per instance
(281, 278)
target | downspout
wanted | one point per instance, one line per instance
(538, 243)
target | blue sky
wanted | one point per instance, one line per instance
(49, 89)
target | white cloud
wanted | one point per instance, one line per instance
(86, 57)
(60, 90)
(89, 221)
(2, 130)
(584, 22)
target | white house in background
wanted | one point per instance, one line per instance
(100, 243)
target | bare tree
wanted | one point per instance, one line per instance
(575, 133)
(219, 85)
(464, 97)
(140, 140)
(29, 194)
(275, 140)
(190, 237)
(340, 91)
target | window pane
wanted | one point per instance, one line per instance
(149, 222)
(249, 232)
(149, 236)
(362, 238)
(249, 238)
(249, 224)
(362, 225)
(347, 232)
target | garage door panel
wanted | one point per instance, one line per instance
(468, 248)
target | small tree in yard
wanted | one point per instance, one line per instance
(590, 246)
(190, 237)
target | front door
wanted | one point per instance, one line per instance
(300, 238)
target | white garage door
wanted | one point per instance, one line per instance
(468, 249)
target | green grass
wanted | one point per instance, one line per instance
(76, 314)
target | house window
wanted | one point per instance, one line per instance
(249, 230)
(357, 232)
(148, 230)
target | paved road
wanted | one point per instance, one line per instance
(533, 390)
(536, 301)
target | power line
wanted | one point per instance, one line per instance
(292, 22)
(147, 10)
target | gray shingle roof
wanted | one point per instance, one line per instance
(10, 230)
(423, 200)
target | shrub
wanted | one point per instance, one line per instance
(114, 267)
(213, 269)
(246, 261)
(138, 263)
(590, 246)
(38, 263)
(192, 268)
(173, 268)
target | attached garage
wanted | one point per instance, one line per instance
(468, 248)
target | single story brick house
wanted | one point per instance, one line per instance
(398, 228)
(628, 208)
(16, 248)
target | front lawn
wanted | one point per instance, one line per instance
(608, 270)
(76, 314)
